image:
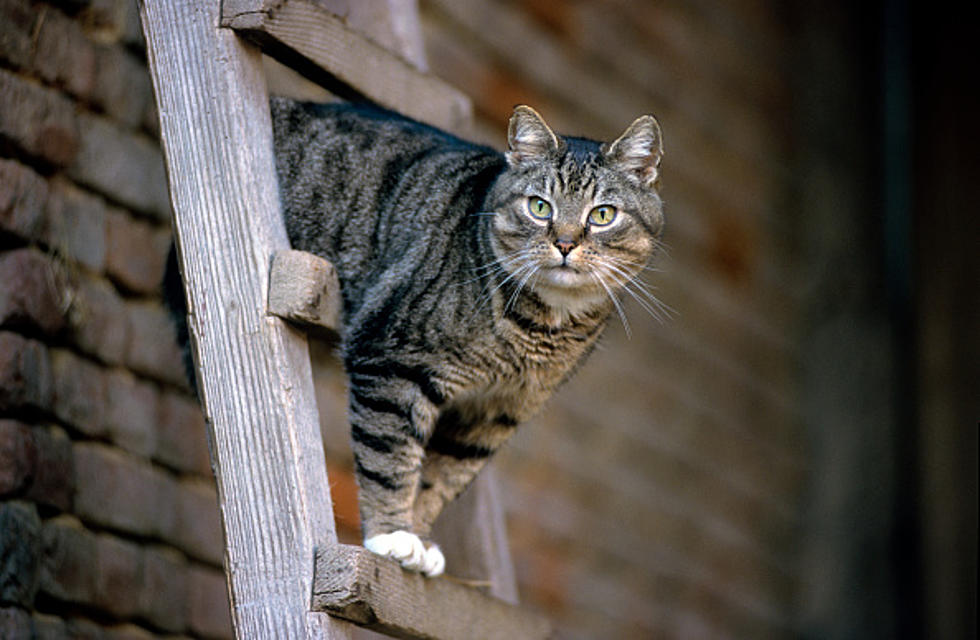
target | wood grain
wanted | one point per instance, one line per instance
(317, 43)
(377, 593)
(303, 288)
(255, 379)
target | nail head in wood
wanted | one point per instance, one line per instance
(303, 288)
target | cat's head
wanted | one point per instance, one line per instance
(575, 220)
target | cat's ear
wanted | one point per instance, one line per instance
(529, 137)
(639, 150)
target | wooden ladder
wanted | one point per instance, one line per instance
(247, 294)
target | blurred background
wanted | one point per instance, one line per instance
(791, 452)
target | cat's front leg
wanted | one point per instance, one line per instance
(453, 457)
(390, 420)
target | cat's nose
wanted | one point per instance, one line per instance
(565, 246)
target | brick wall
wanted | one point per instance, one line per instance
(109, 525)
(658, 495)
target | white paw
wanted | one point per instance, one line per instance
(404, 547)
(434, 562)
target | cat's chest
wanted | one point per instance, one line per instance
(515, 373)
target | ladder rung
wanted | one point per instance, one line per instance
(352, 583)
(307, 37)
(303, 289)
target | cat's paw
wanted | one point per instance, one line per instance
(403, 547)
(434, 562)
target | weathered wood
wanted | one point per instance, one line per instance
(472, 535)
(377, 593)
(255, 380)
(307, 37)
(303, 288)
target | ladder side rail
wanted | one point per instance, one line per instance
(254, 371)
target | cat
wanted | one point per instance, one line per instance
(474, 283)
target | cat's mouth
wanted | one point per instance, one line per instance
(565, 276)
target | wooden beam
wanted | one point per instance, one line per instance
(303, 288)
(256, 385)
(317, 43)
(376, 593)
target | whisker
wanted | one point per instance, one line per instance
(616, 303)
(647, 300)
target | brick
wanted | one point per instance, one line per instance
(66, 569)
(15, 623)
(198, 527)
(182, 435)
(137, 253)
(209, 613)
(99, 321)
(53, 483)
(23, 196)
(122, 86)
(153, 347)
(64, 56)
(122, 166)
(39, 121)
(116, 490)
(17, 19)
(164, 592)
(79, 392)
(128, 632)
(32, 291)
(25, 373)
(76, 225)
(118, 576)
(18, 457)
(132, 412)
(20, 553)
(82, 629)
(47, 627)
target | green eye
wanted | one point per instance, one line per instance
(602, 215)
(538, 208)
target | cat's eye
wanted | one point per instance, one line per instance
(538, 208)
(602, 215)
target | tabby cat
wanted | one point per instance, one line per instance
(473, 284)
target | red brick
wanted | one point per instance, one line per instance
(122, 166)
(17, 19)
(18, 457)
(25, 373)
(64, 56)
(116, 490)
(128, 632)
(66, 570)
(23, 195)
(79, 392)
(54, 474)
(137, 252)
(48, 627)
(208, 613)
(20, 552)
(122, 85)
(15, 623)
(198, 527)
(153, 347)
(164, 592)
(76, 225)
(39, 121)
(32, 291)
(182, 436)
(118, 571)
(132, 412)
(99, 321)
(82, 629)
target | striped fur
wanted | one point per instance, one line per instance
(459, 318)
